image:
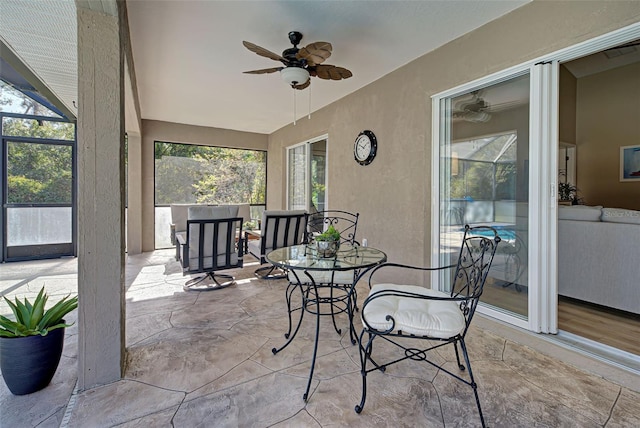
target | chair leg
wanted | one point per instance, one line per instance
(197, 284)
(365, 353)
(267, 272)
(455, 346)
(473, 382)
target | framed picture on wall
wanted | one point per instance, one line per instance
(630, 163)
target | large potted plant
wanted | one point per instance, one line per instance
(328, 242)
(31, 346)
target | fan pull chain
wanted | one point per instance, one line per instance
(309, 117)
(294, 107)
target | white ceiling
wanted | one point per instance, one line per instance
(189, 57)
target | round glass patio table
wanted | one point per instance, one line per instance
(316, 278)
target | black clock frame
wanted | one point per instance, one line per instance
(374, 147)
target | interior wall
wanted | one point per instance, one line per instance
(393, 193)
(608, 117)
(153, 130)
(567, 106)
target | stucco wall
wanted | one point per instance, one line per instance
(608, 117)
(153, 131)
(393, 194)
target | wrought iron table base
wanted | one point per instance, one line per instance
(311, 302)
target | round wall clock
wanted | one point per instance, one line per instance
(365, 147)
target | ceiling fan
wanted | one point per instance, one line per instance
(300, 64)
(472, 108)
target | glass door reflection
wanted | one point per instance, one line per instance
(484, 180)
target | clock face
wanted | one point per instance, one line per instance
(365, 147)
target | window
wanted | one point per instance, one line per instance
(38, 179)
(306, 176)
(186, 173)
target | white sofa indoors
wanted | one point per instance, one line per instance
(599, 256)
(179, 214)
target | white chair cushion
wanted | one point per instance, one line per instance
(211, 212)
(244, 211)
(323, 277)
(179, 215)
(420, 317)
(254, 247)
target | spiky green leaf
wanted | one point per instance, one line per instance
(37, 310)
(34, 319)
(55, 314)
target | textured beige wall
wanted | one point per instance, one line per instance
(608, 117)
(567, 106)
(153, 131)
(393, 194)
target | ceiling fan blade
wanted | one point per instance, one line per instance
(264, 70)
(331, 72)
(315, 53)
(263, 52)
(304, 85)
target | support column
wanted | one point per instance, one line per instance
(101, 318)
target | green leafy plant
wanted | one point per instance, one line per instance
(250, 225)
(567, 191)
(33, 319)
(331, 234)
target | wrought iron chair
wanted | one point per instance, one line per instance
(395, 312)
(346, 224)
(326, 282)
(278, 229)
(213, 243)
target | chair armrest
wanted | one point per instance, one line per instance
(240, 246)
(388, 265)
(181, 239)
(182, 242)
(173, 233)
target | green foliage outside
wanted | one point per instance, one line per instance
(318, 186)
(36, 173)
(203, 174)
(39, 173)
(476, 179)
(18, 127)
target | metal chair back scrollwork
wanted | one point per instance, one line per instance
(428, 318)
(344, 222)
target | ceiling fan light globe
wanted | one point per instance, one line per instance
(294, 75)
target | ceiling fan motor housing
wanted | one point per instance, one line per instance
(295, 37)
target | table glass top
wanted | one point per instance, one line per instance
(306, 257)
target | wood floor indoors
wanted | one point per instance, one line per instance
(607, 326)
(610, 327)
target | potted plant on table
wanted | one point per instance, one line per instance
(328, 242)
(31, 346)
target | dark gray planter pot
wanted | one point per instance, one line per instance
(29, 363)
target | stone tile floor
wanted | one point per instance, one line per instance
(203, 359)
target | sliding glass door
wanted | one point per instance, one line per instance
(484, 180)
